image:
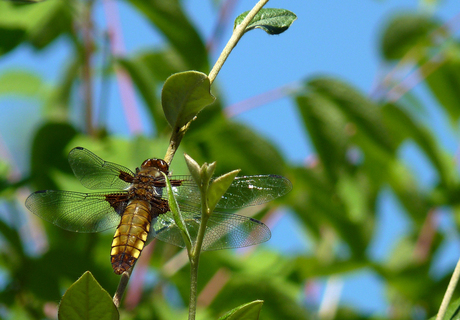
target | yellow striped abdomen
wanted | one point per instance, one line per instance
(131, 234)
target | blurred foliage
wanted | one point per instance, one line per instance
(335, 197)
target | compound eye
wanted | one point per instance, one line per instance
(162, 165)
(148, 163)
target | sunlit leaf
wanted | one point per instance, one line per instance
(272, 21)
(193, 168)
(87, 300)
(184, 95)
(248, 311)
(20, 82)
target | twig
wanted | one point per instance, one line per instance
(236, 36)
(449, 292)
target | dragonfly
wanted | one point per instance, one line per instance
(137, 205)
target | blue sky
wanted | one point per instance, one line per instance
(332, 37)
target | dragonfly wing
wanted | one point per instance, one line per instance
(243, 192)
(166, 230)
(223, 231)
(227, 231)
(95, 173)
(78, 212)
(254, 190)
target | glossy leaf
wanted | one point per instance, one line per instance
(87, 300)
(248, 311)
(184, 95)
(272, 21)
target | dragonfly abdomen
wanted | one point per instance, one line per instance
(131, 234)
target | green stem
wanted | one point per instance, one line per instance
(194, 255)
(176, 138)
(449, 292)
(236, 36)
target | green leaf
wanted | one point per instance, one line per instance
(272, 21)
(218, 187)
(87, 300)
(146, 85)
(405, 31)
(20, 82)
(326, 126)
(402, 126)
(169, 18)
(453, 311)
(194, 168)
(444, 83)
(184, 95)
(41, 24)
(59, 101)
(49, 153)
(248, 311)
(11, 37)
(26, 1)
(234, 145)
(173, 205)
(57, 19)
(359, 109)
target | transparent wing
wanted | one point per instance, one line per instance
(95, 173)
(244, 191)
(224, 230)
(78, 212)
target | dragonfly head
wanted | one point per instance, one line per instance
(155, 165)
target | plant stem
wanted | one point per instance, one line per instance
(449, 292)
(236, 36)
(194, 255)
(176, 138)
(178, 133)
(121, 287)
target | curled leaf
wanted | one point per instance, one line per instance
(272, 21)
(184, 95)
